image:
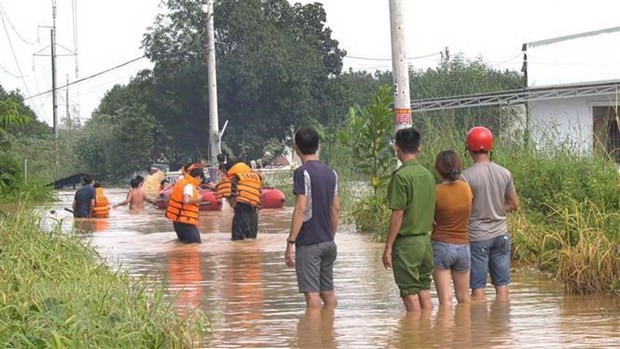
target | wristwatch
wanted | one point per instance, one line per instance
(291, 242)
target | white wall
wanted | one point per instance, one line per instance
(566, 121)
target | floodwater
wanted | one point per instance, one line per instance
(252, 300)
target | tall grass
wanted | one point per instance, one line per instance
(55, 292)
(569, 222)
(578, 243)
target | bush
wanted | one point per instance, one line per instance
(57, 293)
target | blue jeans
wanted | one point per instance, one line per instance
(455, 257)
(490, 256)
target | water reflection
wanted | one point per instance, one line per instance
(185, 277)
(414, 331)
(91, 225)
(315, 329)
(252, 300)
(454, 323)
(242, 287)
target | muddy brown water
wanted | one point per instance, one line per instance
(252, 301)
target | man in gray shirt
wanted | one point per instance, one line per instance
(494, 196)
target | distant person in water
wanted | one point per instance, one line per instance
(184, 206)
(84, 199)
(101, 208)
(135, 197)
(163, 185)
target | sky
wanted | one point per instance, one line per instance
(110, 33)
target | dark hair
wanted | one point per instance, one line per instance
(448, 164)
(187, 166)
(408, 140)
(87, 179)
(135, 182)
(230, 164)
(221, 157)
(140, 178)
(196, 172)
(164, 181)
(307, 140)
(96, 185)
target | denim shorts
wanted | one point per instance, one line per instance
(314, 265)
(455, 257)
(490, 256)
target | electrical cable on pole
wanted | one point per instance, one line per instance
(400, 68)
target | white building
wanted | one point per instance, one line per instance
(584, 116)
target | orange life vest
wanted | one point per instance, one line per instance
(102, 208)
(224, 189)
(177, 211)
(247, 188)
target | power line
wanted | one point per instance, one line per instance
(389, 59)
(8, 37)
(89, 77)
(3, 68)
(4, 14)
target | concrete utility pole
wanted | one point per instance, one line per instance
(400, 68)
(54, 100)
(214, 135)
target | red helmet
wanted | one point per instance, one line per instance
(479, 139)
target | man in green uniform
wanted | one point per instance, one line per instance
(411, 197)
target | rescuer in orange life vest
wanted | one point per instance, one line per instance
(184, 205)
(102, 207)
(242, 187)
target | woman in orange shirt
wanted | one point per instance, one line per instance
(450, 237)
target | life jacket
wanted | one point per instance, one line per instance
(224, 189)
(247, 186)
(179, 212)
(102, 208)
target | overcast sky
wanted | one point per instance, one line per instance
(110, 33)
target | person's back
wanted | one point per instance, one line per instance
(101, 209)
(494, 196)
(452, 211)
(319, 183)
(84, 199)
(135, 197)
(138, 197)
(490, 183)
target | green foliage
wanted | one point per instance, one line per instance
(369, 132)
(274, 60)
(56, 292)
(9, 117)
(367, 135)
(113, 146)
(372, 216)
(560, 177)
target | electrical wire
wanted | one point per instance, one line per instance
(389, 59)
(5, 15)
(19, 69)
(89, 77)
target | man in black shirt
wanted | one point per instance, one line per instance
(84, 200)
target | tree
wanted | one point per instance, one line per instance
(273, 62)
(121, 137)
(461, 76)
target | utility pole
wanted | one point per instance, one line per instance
(400, 68)
(214, 134)
(54, 101)
(68, 114)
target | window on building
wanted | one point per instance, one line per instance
(607, 131)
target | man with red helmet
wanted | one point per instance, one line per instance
(494, 196)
